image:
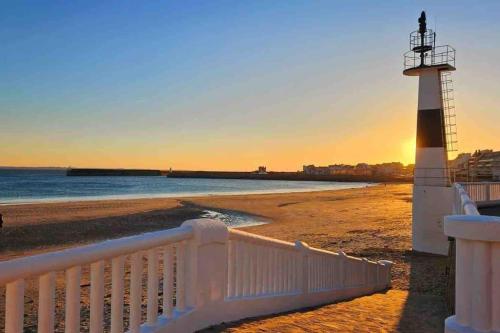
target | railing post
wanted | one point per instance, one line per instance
(303, 249)
(207, 271)
(477, 268)
(388, 272)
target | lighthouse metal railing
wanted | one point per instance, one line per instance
(477, 274)
(439, 55)
(177, 280)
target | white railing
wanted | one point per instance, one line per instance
(477, 275)
(179, 280)
(483, 193)
(463, 204)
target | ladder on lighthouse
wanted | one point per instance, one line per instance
(450, 123)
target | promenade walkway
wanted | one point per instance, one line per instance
(392, 311)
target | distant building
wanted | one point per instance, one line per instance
(316, 171)
(392, 169)
(481, 165)
(389, 169)
(341, 169)
(262, 170)
(363, 169)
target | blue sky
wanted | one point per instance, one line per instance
(230, 84)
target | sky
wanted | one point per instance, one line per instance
(231, 85)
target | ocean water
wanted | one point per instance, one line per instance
(19, 186)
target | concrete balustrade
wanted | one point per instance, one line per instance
(477, 300)
(192, 277)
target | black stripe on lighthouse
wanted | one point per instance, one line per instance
(430, 131)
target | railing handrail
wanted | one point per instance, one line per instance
(25, 267)
(235, 234)
(467, 205)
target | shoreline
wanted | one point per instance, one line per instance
(125, 197)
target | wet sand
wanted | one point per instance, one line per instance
(372, 222)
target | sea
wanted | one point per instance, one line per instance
(22, 186)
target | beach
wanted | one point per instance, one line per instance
(372, 222)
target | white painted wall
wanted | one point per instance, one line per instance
(429, 89)
(430, 205)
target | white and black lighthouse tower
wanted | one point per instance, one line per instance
(431, 191)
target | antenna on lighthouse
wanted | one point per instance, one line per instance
(422, 29)
(424, 52)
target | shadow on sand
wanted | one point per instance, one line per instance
(425, 308)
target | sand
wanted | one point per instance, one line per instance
(372, 222)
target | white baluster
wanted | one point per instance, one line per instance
(117, 293)
(46, 303)
(264, 271)
(290, 271)
(168, 281)
(181, 268)
(314, 272)
(258, 270)
(283, 271)
(14, 307)
(135, 292)
(272, 271)
(96, 297)
(246, 268)
(252, 268)
(269, 275)
(72, 316)
(240, 261)
(152, 291)
(231, 279)
(279, 273)
(323, 272)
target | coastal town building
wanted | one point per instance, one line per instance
(478, 166)
(361, 169)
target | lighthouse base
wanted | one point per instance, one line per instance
(430, 205)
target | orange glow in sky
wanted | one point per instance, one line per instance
(288, 84)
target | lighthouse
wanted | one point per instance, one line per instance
(432, 194)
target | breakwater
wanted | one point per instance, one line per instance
(113, 172)
(287, 176)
